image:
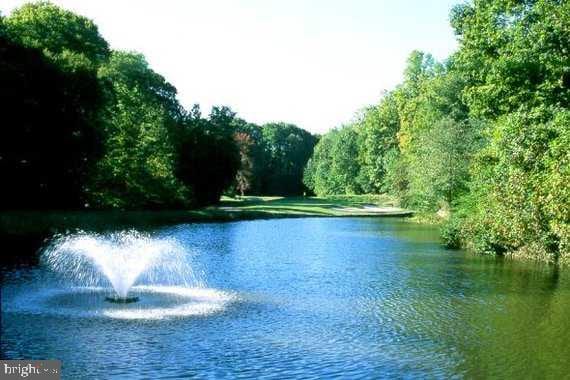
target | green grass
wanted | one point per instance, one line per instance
(242, 208)
(302, 206)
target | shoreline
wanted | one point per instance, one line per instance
(48, 222)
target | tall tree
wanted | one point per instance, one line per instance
(141, 114)
(257, 154)
(244, 176)
(289, 148)
(514, 53)
(51, 100)
(378, 130)
(71, 40)
(208, 154)
(334, 168)
(515, 56)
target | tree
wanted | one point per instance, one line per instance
(60, 34)
(141, 114)
(244, 176)
(514, 56)
(485, 133)
(439, 169)
(208, 156)
(257, 154)
(408, 96)
(519, 203)
(334, 168)
(317, 172)
(87, 125)
(50, 137)
(288, 149)
(378, 130)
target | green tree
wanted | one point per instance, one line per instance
(515, 54)
(138, 166)
(520, 198)
(208, 156)
(60, 34)
(51, 103)
(317, 171)
(288, 150)
(334, 167)
(48, 138)
(438, 171)
(378, 134)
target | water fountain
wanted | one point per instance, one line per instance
(119, 260)
(128, 275)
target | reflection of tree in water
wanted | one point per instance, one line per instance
(20, 250)
(520, 322)
(488, 315)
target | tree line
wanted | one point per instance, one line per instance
(482, 139)
(87, 126)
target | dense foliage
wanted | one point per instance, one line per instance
(288, 149)
(209, 156)
(85, 126)
(483, 136)
(50, 99)
(515, 58)
(333, 169)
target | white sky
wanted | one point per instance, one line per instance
(309, 62)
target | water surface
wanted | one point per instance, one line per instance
(312, 298)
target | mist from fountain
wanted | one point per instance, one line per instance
(121, 260)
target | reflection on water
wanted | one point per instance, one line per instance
(322, 298)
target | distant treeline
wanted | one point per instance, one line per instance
(86, 126)
(483, 139)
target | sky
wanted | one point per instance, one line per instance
(313, 63)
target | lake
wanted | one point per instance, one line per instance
(307, 298)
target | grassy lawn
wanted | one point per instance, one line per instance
(242, 208)
(306, 206)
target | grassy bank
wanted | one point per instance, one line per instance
(230, 209)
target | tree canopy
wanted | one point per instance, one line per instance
(483, 134)
(288, 149)
(85, 126)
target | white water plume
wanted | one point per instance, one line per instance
(121, 260)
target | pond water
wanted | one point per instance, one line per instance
(304, 298)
